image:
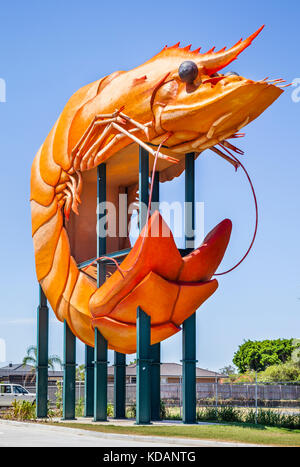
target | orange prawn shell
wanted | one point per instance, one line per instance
(168, 287)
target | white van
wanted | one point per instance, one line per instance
(11, 392)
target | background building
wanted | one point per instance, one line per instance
(169, 373)
(17, 373)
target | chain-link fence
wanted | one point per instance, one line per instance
(261, 395)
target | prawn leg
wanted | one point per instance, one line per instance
(122, 133)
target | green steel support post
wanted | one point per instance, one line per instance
(100, 365)
(143, 324)
(101, 235)
(42, 356)
(100, 350)
(143, 368)
(155, 381)
(69, 374)
(143, 186)
(155, 193)
(119, 385)
(89, 382)
(155, 349)
(120, 368)
(189, 325)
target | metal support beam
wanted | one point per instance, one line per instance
(42, 356)
(101, 237)
(100, 350)
(89, 382)
(189, 218)
(189, 325)
(119, 385)
(143, 186)
(155, 381)
(100, 366)
(156, 348)
(143, 368)
(143, 323)
(155, 193)
(69, 374)
(189, 370)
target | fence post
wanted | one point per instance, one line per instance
(255, 396)
(69, 373)
(216, 395)
(180, 396)
(189, 325)
(42, 356)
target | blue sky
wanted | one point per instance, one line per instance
(49, 49)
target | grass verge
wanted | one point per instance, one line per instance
(234, 432)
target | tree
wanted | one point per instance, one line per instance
(258, 355)
(285, 372)
(227, 370)
(295, 357)
(31, 359)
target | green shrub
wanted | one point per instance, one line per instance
(170, 415)
(269, 417)
(51, 413)
(284, 372)
(58, 395)
(291, 421)
(249, 416)
(264, 417)
(272, 418)
(228, 414)
(222, 414)
(131, 411)
(79, 408)
(23, 410)
(206, 414)
(163, 410)
(110, 410)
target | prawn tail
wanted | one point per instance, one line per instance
(55, 191)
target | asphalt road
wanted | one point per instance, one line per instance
(21, 434)
(16, 434)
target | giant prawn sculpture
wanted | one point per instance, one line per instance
(178, 102)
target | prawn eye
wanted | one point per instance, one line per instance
(188, 71)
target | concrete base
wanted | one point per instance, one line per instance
(124, 422)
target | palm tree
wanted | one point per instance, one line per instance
(31, 359)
